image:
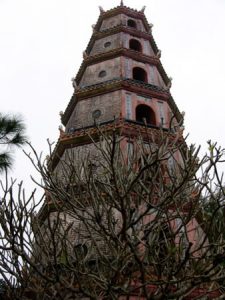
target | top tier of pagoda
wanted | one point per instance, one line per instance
(121, 75)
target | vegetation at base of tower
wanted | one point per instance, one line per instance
(11, 135)
(115, 223)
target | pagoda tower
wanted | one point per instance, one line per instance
(121, 86)
(122, 80)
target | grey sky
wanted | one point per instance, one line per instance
(41, 45)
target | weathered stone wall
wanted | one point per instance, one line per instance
(158, 78)
(76, 236)
(75, 157)
(101, 46)
(91, 74)
(109, 105)
(111, 22)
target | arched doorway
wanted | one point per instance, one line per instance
(144, 114)
(139, 74)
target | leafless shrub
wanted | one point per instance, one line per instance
(126, 217)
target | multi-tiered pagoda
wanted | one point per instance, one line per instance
(120, 79)
(122, 86)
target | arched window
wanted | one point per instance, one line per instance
(135, 45)
(131, 23)
(139, 74)
(144, 114)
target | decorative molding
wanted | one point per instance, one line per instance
(128, 128)
(140, 57)
(148, 90)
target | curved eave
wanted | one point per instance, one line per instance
(120, 83)
(112, 85)
(125, 128)
(121, 28)
(138, 56)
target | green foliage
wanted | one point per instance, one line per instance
(11, 135)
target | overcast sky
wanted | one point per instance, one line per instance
(41, 45)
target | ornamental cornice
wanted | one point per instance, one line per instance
(120, 83)
(131, 85)
(138, 56)
(125, 128)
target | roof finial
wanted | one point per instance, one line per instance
(158, 54)
(85, 55)
(121, 3)
(93, 27)
(74, 84)
(101, 9)
(143, 8)
(169, 84)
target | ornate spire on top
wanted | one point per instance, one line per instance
(121, 3)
